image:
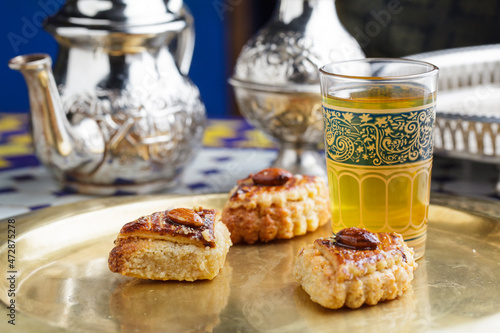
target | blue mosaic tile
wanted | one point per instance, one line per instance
(124, 193)
(196, 186)
(23, 178)
(16, 162)
(123, 181)
(7, 190)
(65, 192)
(39, 207)
(223, 159)
(210, 172)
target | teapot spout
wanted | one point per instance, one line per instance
(58, 143)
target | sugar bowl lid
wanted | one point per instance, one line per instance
(125, 16)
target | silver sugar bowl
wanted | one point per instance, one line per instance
(276, 79)
(119, 112)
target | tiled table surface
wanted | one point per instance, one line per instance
(232, 150)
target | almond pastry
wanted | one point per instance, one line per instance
(275, 204)
(355, 267)
(179, 244)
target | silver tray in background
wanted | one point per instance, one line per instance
(63, 283)
(468, 107)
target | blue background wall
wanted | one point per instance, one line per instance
(21, 33)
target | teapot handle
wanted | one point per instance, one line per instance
(185, 43)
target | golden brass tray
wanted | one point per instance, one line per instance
(63, 283)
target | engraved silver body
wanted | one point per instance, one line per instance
(276, 79)
(120, 112)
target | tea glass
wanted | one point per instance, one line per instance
(379, 122)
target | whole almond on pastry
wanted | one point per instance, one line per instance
(272, 177)
(186, 217)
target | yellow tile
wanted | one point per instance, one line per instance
(22, 139)
(4, 163)
(255, 138)
(10, 123)
(15, 150)
(215, 133)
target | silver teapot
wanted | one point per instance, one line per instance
(119, 113)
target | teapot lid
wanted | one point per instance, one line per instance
(125, 16)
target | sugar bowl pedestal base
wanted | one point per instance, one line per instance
(300, 158)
